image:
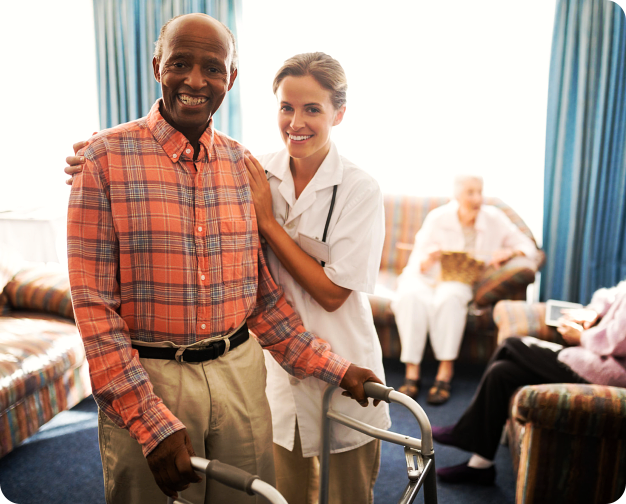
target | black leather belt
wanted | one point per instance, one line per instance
(210, 352)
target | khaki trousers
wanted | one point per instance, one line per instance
(224, 408)
(352, 474)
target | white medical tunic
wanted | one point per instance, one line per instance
(355, 239)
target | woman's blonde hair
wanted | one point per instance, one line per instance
(323, 68)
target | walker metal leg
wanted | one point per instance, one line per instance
(430, 484)
(325, 450)
(420, 455)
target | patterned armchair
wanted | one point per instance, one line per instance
(404, 216)
(567, 441)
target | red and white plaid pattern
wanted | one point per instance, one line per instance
(162, 248)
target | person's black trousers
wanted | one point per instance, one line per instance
(516, 362)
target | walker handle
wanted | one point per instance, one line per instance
(377, 391)
(226, 474)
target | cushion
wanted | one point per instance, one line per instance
(519, 318)
(41, 287)
(507, 282)
(5, 306)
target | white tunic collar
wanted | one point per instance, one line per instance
(329, 173)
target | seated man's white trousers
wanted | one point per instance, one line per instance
(440, 310)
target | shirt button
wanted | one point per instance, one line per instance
(203, 326)
(200, 228)
(174, 156)
(293, 380)
(202, 277)
(291, 225)
(188, 151)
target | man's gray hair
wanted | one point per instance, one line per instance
(460, 179)
(158, 45)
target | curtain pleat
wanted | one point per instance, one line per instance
(126, 31)
(585, 174)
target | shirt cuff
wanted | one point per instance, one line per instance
(154, 426)
(333, 370)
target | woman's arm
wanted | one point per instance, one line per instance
(303, 268)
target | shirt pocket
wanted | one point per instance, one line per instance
(239, 242)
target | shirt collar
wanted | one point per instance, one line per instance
(329, 173)
(174, 143)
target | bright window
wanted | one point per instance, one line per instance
(435, 88)
(50, 97)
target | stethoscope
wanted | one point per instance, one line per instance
(330, 213)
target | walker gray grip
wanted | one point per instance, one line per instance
(231, 476)
(377, 391)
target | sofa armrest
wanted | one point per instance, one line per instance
(519, 318)
(507, 282)
(578, 409)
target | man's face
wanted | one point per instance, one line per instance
(194, 72)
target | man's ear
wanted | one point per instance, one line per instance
(339, 115)
(157, 70)
(233, 76)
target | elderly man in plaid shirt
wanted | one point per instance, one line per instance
(168, 275)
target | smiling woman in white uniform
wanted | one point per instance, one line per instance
(322, 218)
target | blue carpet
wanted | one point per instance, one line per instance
(61, 463)
(392, 479)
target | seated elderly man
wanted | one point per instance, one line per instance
(597, 354)
(427, 305)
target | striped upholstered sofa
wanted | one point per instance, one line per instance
(43, 370)
(567, 441)
(404, 216)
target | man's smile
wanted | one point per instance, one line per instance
(189, 100)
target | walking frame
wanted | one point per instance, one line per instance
(234, 478)
(419, 453)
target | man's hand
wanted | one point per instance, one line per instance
(353, 382)
(571, 331)
(75, 162)
(170, 463)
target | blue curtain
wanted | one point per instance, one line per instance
(584, 227)
(126, 31)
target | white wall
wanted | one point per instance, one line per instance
(49, 95)
(434, 88)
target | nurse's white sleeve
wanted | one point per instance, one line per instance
(356, 240)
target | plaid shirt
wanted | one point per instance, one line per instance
(162, 248)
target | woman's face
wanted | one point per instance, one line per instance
(470, 197)
(306, 116)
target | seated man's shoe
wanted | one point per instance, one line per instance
(411, 388)
(462, 473)
(444, 436)
(439, 393)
